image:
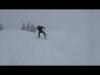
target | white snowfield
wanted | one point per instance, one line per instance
(60, 48)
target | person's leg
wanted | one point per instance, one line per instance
(38, 34)
(44, 34)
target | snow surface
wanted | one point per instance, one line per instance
(60, 48)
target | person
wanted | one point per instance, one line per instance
(40, 30)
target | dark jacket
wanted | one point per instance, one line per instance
(40, 28)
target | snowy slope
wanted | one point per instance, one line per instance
(21, 47)
(61, 48)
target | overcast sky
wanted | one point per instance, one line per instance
(53, 19)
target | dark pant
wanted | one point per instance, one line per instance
(40, 33)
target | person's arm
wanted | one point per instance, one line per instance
(44, 28)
